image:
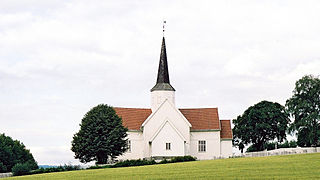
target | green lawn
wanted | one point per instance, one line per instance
(303, 166)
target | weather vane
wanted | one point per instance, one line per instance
(163, 28)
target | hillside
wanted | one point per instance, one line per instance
(302, 166)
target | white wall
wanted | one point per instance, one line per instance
(167, 135)
(212, 144)
(226, 148)
(157, 98)
(137, 150)
(166, 111)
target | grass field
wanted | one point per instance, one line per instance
(303, 166)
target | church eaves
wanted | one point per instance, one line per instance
(163, 82)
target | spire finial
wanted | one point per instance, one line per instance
(163, 27)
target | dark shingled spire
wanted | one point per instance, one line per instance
(163, 82)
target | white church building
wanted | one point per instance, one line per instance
(164, 130)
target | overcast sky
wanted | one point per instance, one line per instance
(59, 58)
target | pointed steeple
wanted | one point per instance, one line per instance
(163, 82)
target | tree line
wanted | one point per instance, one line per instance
(266, 121)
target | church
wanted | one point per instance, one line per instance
(165, 131)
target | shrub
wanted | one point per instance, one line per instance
(272, 146)
(165, 161)
(138, 162)
(251, 149)
(182, 159)
(99, 167)
(21, 169)
(3, 168)
(293, 144)
(56, 169)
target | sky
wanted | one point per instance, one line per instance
(60, 58)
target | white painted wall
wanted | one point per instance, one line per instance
(166, 111)
(167, 134)
(137, 150)
(226, 148)
(212, 139)
(158, 97)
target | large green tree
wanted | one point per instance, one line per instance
(13, 152)
(304, 107)
(259, 124)
(101, 136)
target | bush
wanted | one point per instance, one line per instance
(293, 144)
(99, 167)
(56, 169)
(251, 149)
(165, 161)
(3, 168)
(272, 146)
(182, 159)
(138, 162)
(21, 169)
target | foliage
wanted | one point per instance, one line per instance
(25, 168)
(3, 168)
(165, 161)
(301, 166)
(304, 139)
(21, 169)
(101, 136)
(56, 169)
(182, 159)
(304, 107)
(290, 144)
(259, 124)
(13, 152)
(272, 145)
(137, 162)
(99, 167)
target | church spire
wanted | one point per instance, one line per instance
(163, 82)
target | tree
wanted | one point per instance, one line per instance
(259, 124)
(13, 152)
(101, 136)
(304, 107)
(273, 145)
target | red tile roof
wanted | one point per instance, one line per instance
(202, 118)
(199, 118)
(226, 132)
(132, 118)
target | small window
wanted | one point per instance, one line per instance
(168, 146)
(129, 146)
(202, 146)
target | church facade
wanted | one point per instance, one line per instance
(166, 131)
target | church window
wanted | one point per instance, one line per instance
(168, 146)
(129, 146)
(202, 146)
